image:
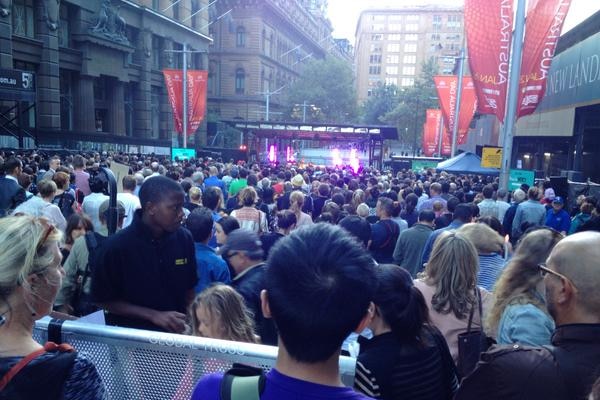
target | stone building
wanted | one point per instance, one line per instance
(392, 43)
(97, 68)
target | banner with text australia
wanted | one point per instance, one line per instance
(488, 26)
(545, 19)
(196, 95)
(447, 89)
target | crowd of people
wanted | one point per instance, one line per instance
(428, 268)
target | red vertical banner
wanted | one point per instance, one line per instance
(447, 89)
(545, 19)
(196, 83)
(430, 133)
(174, 84)
(446, 136)
(488, 26)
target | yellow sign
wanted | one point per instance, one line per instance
(491, 157)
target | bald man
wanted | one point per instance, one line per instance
(568, 368)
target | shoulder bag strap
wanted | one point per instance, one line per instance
(49, 346)
(242, 383)
(472, 311)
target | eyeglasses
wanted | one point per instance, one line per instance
(48, 229)
(232, 254)
(544, 270)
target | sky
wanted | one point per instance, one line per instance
(344, 13)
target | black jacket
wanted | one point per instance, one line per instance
(11, 195)
(566, 370)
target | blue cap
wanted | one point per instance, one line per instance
(558, 200)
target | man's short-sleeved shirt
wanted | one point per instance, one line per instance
(139, 269)
(278, 387)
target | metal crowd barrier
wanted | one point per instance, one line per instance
(138, 364)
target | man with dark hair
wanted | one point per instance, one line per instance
(462, 215)
(91, 203)
(11, 193)
(238, 184)
(411, 243)
(358, 227)
(146, 276)
(210, 266)
(316, 302)
(323, 192)
(568, 368)
(212, 199)
(244, 253)
(53, 165)
(384, 233)
(130, 201)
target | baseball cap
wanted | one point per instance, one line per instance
(558, 200)
(243, 240)
(298, 180)
(106, 204)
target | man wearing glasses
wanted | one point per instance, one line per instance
(568, 368)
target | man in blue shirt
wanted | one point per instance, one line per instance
(213, 180)
(318, 289)
(557, 217)
(210, 266)
(462, 215)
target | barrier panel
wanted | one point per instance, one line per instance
(138, 364)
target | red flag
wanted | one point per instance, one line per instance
(196, 82)
(430, 133)
(545, 19)
(196, 95)
(174, 83)
(488, 25)
(446, 86)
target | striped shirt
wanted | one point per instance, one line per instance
(490, 268)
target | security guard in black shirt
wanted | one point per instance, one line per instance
(147, 272)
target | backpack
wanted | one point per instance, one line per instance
(243, 382)
(81, 302)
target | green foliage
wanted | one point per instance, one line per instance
(383, 100)
(327, 84)
(409, 113)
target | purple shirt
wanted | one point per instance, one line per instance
(82, 182)
(277, 387)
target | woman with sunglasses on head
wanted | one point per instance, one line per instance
(30, 277)
(519, 313)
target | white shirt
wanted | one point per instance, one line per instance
(91, 207)
(131, 203)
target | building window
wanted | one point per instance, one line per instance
(407, 82)
(392, 59)
(437, 22)
(156, 53)
(375, 48)
(408, 70)
(436, 37)
(64, 34)
(391, 81)
(453, 21)
(240, 37)
(375, 59)
(412, 17)
(175, 9)
(411, 37)
(394, 37)
(412, 27)
(376, 37)
(378, 18)
(66, 100)
(155, 107)
(212, 78)
(391, 70)
(23, 18)
(410, 59)
(100, 89)
(410, 48)
(377, 27)
(394, 27)
(393, 48)
(375, 70)
(395, 17)
(240, 81)
(155, 4)
(128, 102)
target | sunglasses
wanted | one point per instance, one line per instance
(544, 270)
(48, 230)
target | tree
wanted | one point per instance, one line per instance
(409, 114)
(383, 100)
(327, 84)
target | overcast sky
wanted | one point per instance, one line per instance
(344, 13)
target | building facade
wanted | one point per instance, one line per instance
(392, 44)
(97, 68)
(259, 49)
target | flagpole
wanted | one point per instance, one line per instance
(440, 133)
(461, 69)
(513, 94)
(185, 99)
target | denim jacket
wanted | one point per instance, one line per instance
(525, 324)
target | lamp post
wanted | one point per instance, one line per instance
(461, 67)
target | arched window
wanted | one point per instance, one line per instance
(240, 37)
(240, 81)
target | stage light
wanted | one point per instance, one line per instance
(336, 158)
(354, 163)
(272, 154)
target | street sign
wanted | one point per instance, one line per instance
(17, 80)
(519, 176)
(491, 157)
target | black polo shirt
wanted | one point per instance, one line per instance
(139, 269)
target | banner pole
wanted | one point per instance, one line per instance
(461, 69)
(440, 132)
(185, 99)
(513, 94)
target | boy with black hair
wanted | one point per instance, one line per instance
(316, 302)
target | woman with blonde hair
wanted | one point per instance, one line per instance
(519, 313)
(490, 246)
(250, 217)
(30, 277)
(296, 203)
(219, 312)
(449, 285)
(358, 197)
